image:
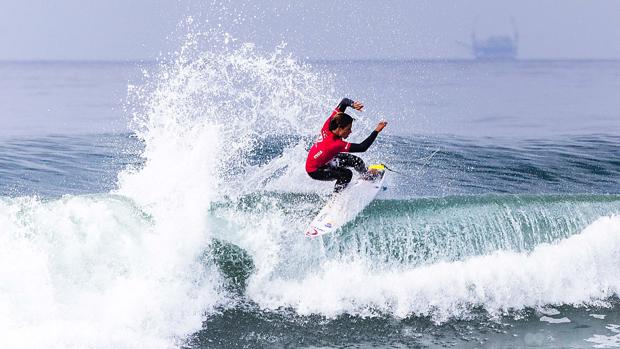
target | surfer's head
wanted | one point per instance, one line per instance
(341, 124)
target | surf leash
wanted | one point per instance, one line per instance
(426, 162)
(400, 173)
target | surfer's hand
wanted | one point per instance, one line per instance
(381, 125)
(357, 106)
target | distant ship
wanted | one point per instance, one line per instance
(498, 47)
(495, 47)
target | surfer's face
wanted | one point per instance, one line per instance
(343, 132)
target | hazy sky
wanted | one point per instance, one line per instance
(318, 29)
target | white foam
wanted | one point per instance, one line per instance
(549, 311)
(199, 121)
(123, 270)
(607, 341)
(94, 272)
(579, 270)
(551, 320)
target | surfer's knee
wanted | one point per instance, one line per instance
(360, 166)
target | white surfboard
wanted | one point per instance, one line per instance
(346, 205)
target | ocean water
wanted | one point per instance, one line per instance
(163, 205)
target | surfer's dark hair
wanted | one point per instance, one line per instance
(340, 120)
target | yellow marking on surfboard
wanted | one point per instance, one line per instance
(377, 167)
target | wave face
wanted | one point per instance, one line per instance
(439, 257)
(578, 270)
(209, 216)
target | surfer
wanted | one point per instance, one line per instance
(329, 157)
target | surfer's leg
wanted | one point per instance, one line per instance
(343, 177)
(327, 173)
(350, 160)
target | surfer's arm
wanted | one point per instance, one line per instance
(362, 147)
(346, 102)
(340, 108)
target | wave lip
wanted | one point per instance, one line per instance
(579, 270)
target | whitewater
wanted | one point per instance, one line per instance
(194, 220)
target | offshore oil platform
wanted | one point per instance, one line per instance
(498, 47)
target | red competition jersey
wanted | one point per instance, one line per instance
(326, 146)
